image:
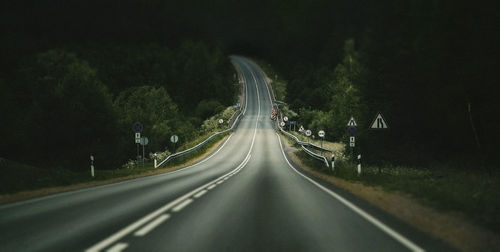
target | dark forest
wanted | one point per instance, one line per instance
(70, 70)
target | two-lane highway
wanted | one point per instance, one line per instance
(246, 196)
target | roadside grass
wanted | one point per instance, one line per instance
(474, 194)
(17, 177)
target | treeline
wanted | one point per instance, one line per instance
(61, 105)
(428, 66)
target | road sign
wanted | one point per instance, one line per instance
(221, 121)
(379, 122)
(282, 124)
(352, 139)
(137, 127)
(292, 122)
(352, 144)
(174, 139)
(321, 133)
(285, 118)
(301, 129)
(137, 137)
(144, 141)
(352, 131)
(308, 133)
(352, 122)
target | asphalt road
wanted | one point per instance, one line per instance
(246, 196)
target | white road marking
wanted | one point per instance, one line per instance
(130, 228)
(395, 235)
(182, 205)
(143, 231)
(211, 187)
(220, 182)
(118, 247)
(200, 194)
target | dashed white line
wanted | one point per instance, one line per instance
(118, 247)
(220, 181)
(143, 231)
(185, 199)
(182, 205)
(211, 187)
(200, 194)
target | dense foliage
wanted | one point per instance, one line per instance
(64, 104)
(428, 65)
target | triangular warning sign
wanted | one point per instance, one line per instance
(379, 122)
(352, 122)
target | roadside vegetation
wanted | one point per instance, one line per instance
(29, 178)
(452, 186)
(67, 103)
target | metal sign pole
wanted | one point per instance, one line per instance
(137, 154)
(143, 155)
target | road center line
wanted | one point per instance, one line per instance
(395, 235)
(182, 205)
(212, 187)
(200, 194)
(118, 247)
(130, 228)
(143, 231)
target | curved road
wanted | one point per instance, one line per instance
(246, 196)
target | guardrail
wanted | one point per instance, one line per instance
(196, 147)
(316, 156)
(301, 143)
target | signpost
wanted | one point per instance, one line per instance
(301, 129)
(292, 123)
(352, 122)
(308, 133)
(137, 128)
(221, 121)
(379, 122)
(282, 124)
(144, 141)
(352, 131)
(174, 139)
(321, 134)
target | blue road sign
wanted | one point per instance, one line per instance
(137, 127)
(292, 122)
(352, 131)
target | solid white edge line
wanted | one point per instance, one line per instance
(118, 247)
(395, 235)
(146, 229)
(200, 194)
(182, 205)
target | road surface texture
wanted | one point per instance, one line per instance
(246, 196)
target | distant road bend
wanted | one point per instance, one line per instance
(246, 196)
